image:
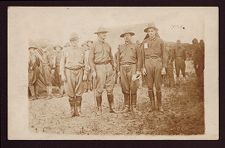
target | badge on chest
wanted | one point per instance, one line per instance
(146, 45)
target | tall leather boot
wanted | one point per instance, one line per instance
(126, 103)
(159, 101)
(78, 104)
(32, 92)
(111, 103)
(152, 100)
(99, 105)
(134, 103)
(49, 92)
(61, 90)
(72, 105)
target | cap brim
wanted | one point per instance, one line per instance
(101, 32)
(131, 33)
(146, 29)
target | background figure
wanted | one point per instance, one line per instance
(33, 71)
(86, 47)
(170, 68)
(117, 76)
(47, 69)
(180, 57)
(154, 64)
(56, 65)
(198, 59)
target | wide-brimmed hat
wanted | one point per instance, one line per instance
(89, 41)
(74, 36)
(127, 32)
(150, 25)
(101, 30)
(57, 45)
(32, 45)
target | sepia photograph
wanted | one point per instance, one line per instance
(125, 73)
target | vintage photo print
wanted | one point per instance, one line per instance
(134, 73)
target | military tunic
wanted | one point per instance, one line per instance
(101, 61)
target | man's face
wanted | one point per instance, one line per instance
(151, 32)
(31, 50)
(127, 37)
(102, 35)
(57, 48)
(74, 42)
(89, 44)
(178, 43)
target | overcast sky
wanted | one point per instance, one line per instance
(57, 23)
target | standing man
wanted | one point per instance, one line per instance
(89, 45)
(154, 64)
(180, 57)
(170, 68)
(33, 70)
(47, 69)
(56, 65)
(73, 71)
(129, 64)
(198, 58)
(102, 67)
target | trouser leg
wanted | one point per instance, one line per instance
(72, 103)
(99, 104)
(78, 104)
(111, 103)
(183, 66)
(126, 103)
(152, 99)
(159, 100)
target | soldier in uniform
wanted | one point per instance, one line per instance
(154, 64)
(129, 64)
(47, 68)
(102, 67)
(198, 58)
(73, 72)
(56, 66)
(180, 57)
(33, 70)
(169, 68)
(89, 77)
(87, 47)
(117, 75)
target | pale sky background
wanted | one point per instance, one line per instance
(57, 23)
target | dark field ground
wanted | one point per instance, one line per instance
(183, 115)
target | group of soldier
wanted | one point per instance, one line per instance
(94, 64)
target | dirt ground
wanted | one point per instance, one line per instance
(183, 115)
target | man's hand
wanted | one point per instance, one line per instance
(63, 78)
(84, 77)
(52, 71)
(118, 73)
(138, 72)
(144, 71)
(94, 74)
(163, 72)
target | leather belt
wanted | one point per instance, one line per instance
(103, 63)
(74, 68)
